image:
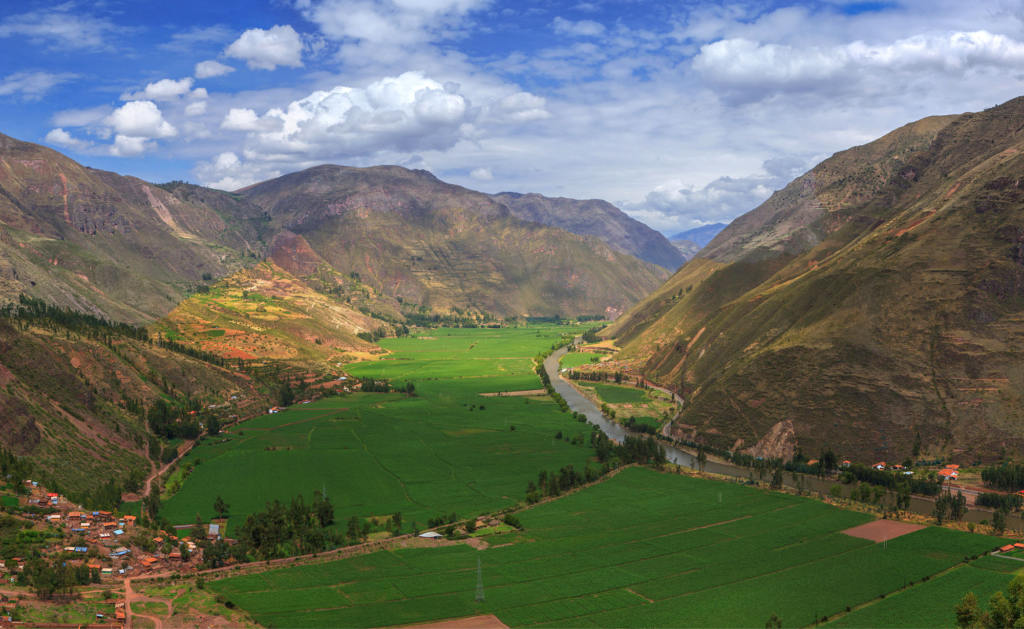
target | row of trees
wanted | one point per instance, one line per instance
(1008, 476)
(281, 530)
(1004, 610)
(55, 578)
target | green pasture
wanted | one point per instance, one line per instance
(615, 394)
(448, 449)
(575, 359)
(639, 549)
(931, 604)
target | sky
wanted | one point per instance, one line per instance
(681, 113)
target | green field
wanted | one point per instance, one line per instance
(448, 449)
(614, 394)
(640, 549)
(931, 604)
(575, 359)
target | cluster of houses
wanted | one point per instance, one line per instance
(100, 539)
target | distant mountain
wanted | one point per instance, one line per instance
(433, 246)
(875, 301)
(598, 218)
(700, 235)
(687, 248)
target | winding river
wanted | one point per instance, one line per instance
(580, 404)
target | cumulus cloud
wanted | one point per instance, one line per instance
(244, 119)
(227, 172)
(138, 119)
(197, 108)
(393, 22)
(266, 49)
(128, 146)
(62, 138)
(32, 85)
(164, 89)
(481, 174)
(210, 68)
(582, 28)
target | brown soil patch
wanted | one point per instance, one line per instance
(530, 393)
(490, 621)
(881, 530)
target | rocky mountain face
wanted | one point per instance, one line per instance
(433, 246)
(878, 297)
(598, 218)
(107, 244)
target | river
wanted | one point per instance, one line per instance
(580, 404)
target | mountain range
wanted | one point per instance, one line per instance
(875, 302)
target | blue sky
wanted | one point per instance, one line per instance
(682, 113)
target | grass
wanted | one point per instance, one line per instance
(931, 604)
(640, 549)
(575, 359)
(445, 450)
(149, 608)
(614, 394)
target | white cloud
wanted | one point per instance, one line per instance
(210, 68)
(32, 85)
(80, 117)
(199, 93)
(60, 137)
(164, 89)
(266, 49)
(196, 37)
(63, 27)
(519, 107)
(242, 120)
(764, 68)
(481, 174)
(197, 108)
(582, 28)
(128, 146)
(139, 119)
(227, 172)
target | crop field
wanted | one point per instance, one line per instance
(614, 394)
(575, 359)
(639, 549)
(448, 449)
(931, 604)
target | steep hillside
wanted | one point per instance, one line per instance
(74, 391)
(595, 217)
(264, 312)
(443, 248)
(877, 297)
(104, 243)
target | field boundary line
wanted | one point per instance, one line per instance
(897, 592)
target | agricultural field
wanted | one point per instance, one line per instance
(447, 449)
(575, 359)
(931, 604)
(642, 548)
(615, 394)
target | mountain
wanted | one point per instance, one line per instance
(598, 218)
(875, 301)
(436, 247)
(700, 236)
(107, 244)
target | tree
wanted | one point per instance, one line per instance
(999, 520)
(829, 461)
(213, 426)
(410, 389)
(776, 482)
(773, 623)
(702, 457)
(285, 395)
(967, 612)
(917, 444)
(323, 509)
(221, 507)
(198, 530)
(152, 501)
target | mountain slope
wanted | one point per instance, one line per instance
(598, 218)
(104, 243)
(877, 297)
(700, 236)
(438, 247)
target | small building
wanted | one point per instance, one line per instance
(213, 532)
(880, 466)
(431, 535)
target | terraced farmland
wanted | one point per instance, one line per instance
(640, 549)
(448, 449)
